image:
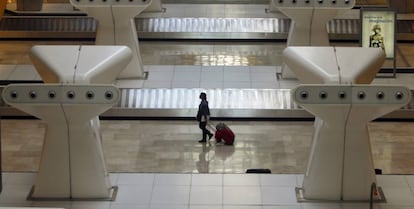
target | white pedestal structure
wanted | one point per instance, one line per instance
(116, 26)
(334, 65)
(79, 63)
(340, 165)
(309, 19)
(72, 163)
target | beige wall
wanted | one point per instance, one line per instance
(403, 6)
(371, 2)
(2, 7)
(410, 6)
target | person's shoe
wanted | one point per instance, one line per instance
(202, 141)
(210, 136)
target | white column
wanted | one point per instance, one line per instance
(116, 26)
(308, 22)
(340, 166)
(72, 163)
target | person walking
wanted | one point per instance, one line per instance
(203, 116)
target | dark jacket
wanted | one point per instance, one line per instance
(203, 110)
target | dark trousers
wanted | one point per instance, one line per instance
(202, 126)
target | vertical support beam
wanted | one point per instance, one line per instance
(116, 26)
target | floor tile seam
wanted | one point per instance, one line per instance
(189, 191)
(199, 75)
(116, 178)
(173, 79)
(222, 77)
(262, 184)
(152, 191)
(298, 183)
(410, 183)
(261, 191)
(385, 181)
(11, 72)
(224, 13)
(9, 65)
(11, 184)
(9, 77)
(250, 76)
(222, 191)
(412, 191)
(407, 182)
(240, 186)
(17, 68)
(204, 80)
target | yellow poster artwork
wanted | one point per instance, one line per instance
(378, 30)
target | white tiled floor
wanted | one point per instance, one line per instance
(205, 191)
(182, 76)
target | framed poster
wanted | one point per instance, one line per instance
(378, 30)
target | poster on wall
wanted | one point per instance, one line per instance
(378, 30)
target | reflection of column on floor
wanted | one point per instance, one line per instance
(72, 164)
(203, 163)
(309, 19)
(340, 133)
(117, 27)
(223, 152)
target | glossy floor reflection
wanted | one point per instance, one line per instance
(171, 147)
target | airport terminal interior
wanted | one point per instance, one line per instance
(234, 50)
